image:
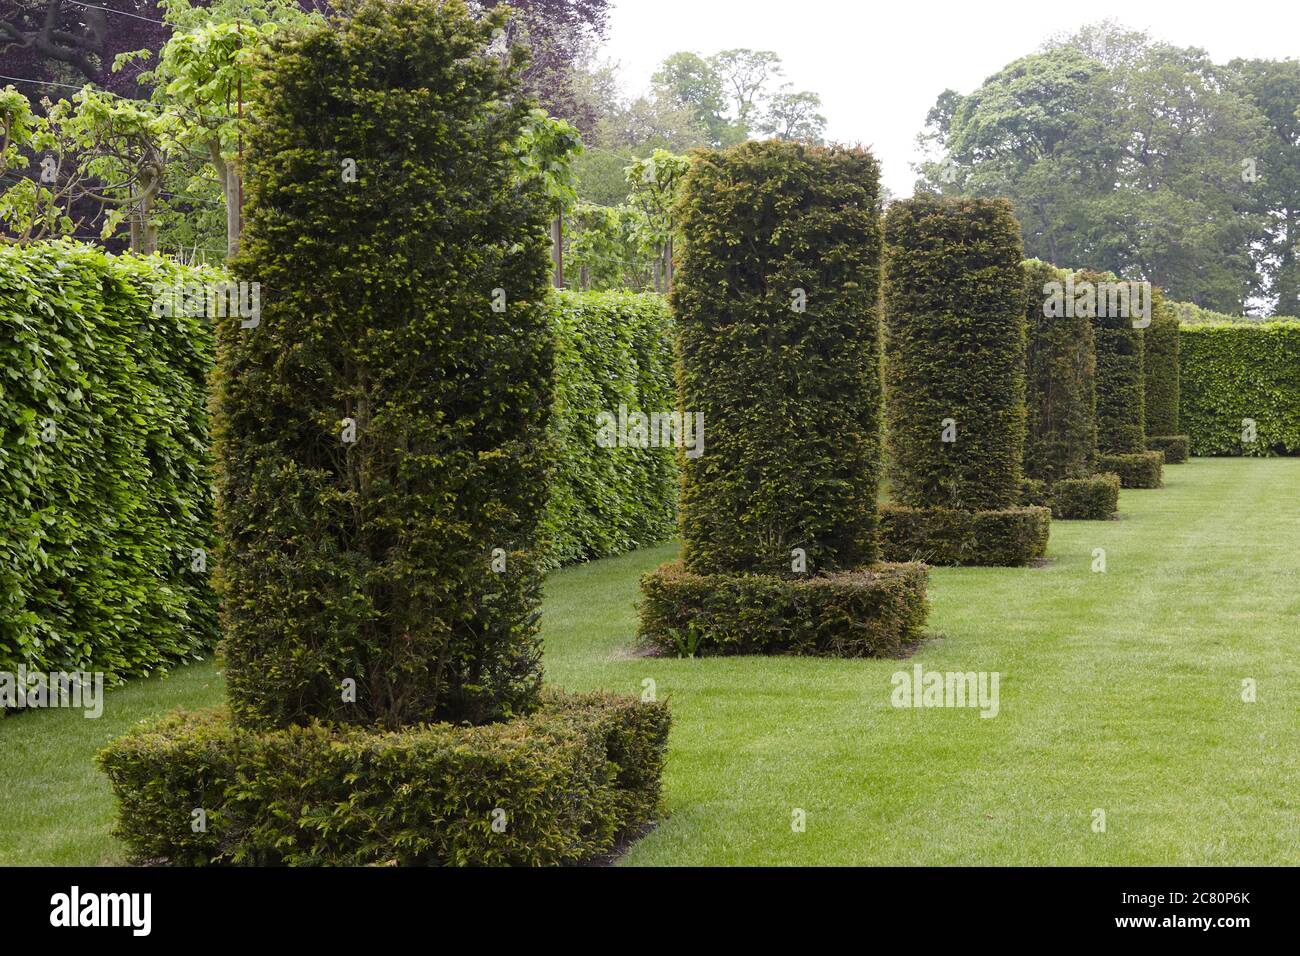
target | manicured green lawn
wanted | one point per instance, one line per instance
(1119, 691)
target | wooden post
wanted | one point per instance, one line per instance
(557, 251)
(239, 132)
(668, 263)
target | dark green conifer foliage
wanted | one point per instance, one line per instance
(954, 353)
(372, 559)
(1160, 364)
(1060, 383)
(1121, 404)
(777, 303)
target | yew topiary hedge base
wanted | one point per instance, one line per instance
(1095, 498)
(1177, 448)
(870, 612)
(558, 786)
(1143, 469)
(1009, 537)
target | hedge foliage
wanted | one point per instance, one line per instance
(1060, 384)
(1143, 469)
(561, 784)
(954, 352)
(105, 477)
(1121, 384)
(1239, 382)
(1160, 366)
(407, 309)
(612, 350)
(1011, 537)
(1175, 448)
(1190, 314)
(862, 613)
(1094, 498)
(777, 303)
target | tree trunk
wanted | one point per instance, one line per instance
(557, 251)
(668, 265)
(232, 189)
(144, 231)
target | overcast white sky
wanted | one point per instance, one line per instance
(879, 65)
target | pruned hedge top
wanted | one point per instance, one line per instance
(776, 299)
(954, 352)
(1060, 383)
(381, 433)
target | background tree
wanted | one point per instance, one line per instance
(1274, 194)
(181, 206)
(204, 85)
(556, 34)
(747, 76)
(97, 157)
(77, 43)
(714, 101)
(63, 42)
(793, 116)
(688, 81)
(1119, 153)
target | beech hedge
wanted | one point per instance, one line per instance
(105, 475)
(1240, 388)
(614, 352)
(558, 786)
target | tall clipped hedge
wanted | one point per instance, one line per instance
(1121, 385)
(1231, 373)
(406, 559)
(954, 349)
(1160, 366)
(105, 481)
(776, 300)
(612, 350)
(1060, 384)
